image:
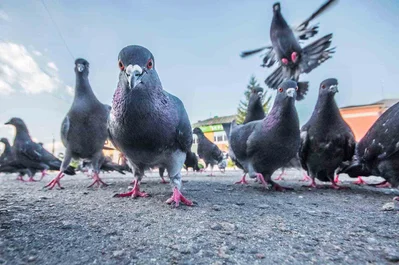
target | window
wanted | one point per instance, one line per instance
(219, 137)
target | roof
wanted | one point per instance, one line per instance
(215, 120)
(386, 103)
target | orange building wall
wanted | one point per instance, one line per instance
(360, 119)
(222, 146)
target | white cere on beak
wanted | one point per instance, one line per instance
(132, 71)
(260, 94)
(80, 67)
(290, 92)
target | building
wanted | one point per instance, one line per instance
(361, 117)
(213, 130)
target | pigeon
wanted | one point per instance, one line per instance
(294, 60)
(377, 153)
(191, 161)
(149, 125)
(326, 139)
(207, 150)
(84, 129)
(8, 163)
(30, 155)
(106, 165)
(263, 146)
(293, 163)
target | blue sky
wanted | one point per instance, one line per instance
(196, 45)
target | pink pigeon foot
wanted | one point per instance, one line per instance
(336, 187)
(21, 178)
(135, 192)
(163, 181)
(44, 173)
(336, 179)
(98, 181)
(294, 57)
(359, 181)
(55, 181)
(31, 179)
(312, 185)
(284, 61)
(242, 181)
(177, 197)
(384, 184)
(261, 179)
(280, 177)
(305, 178)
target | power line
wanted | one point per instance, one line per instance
(58, 30)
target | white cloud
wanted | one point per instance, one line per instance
(37, 53)
(52, 66)
(70, 90)
(4, 16)
(58, 147)
(20, 72)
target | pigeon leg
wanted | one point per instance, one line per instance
(55, 181)
(211, 171)
(242, 181)
(294, 57)
(98, 181)
(163, 181)
(284, 61)
(135, 192)
(177, 197)
(280, 177)
(312, 185)
(336, 179)
(305, 177)
(261, 179)
(359, 181)
(21, 178)
(44, 173)
(31, 179)
(336, 187)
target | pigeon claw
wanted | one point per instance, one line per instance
(134, 193)
(163, 181)
(359, 181)
(294, 57)
(31, 179)
(242, 181)
(280, 177)
(336, 187)
(177, 197)
(98, 181)
(305, 178)
(336, 179)
(55, 181)
(312, 185)
(21, 178)
(284, 61)
(384, 184)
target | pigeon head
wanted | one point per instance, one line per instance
(137, 66)
(198, 131)
(18, 123)
(329, 87)
(257, 91)
(82, 67)
(287, 91)
(276, 7)
(255, 96)
(4, 140)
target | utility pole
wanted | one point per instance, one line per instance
(52, 151)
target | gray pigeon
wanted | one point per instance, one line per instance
(255, 112)
(84, 129)
(31, 155)
(296, 164)
(263, 146)
(149, 125)
(326, 139)
(294, 60)
(208, 151)
(377, 153)
(8, 163)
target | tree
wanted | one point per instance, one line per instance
(242, 107)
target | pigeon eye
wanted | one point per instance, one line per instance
(121, 66)
(149, 64)
(297, 88)
(323, 86)
(280, 89)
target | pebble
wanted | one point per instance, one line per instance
(216, 208)
(240, 203)
(31, 258)
(388, 206)
(260, 256)
(392, 255)
(118, 253)
(263, 206)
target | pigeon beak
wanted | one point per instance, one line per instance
(134, 74)
(334, 88)
(80, 67)
(260, 94)
(290, 92)
(8, 123)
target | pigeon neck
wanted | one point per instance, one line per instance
(327, 108)
(82, 87)
(278, 20)
(255, 111)
(22, 132)
(283, 110)
(7, 148)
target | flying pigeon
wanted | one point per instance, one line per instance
(263, 146)
(84, 129)
(149, 125)
(326, 139)
(294, 60)
(377, 153)
(31, 155)
(207, 150)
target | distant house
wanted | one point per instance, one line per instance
(361, 117)
(213, 130)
